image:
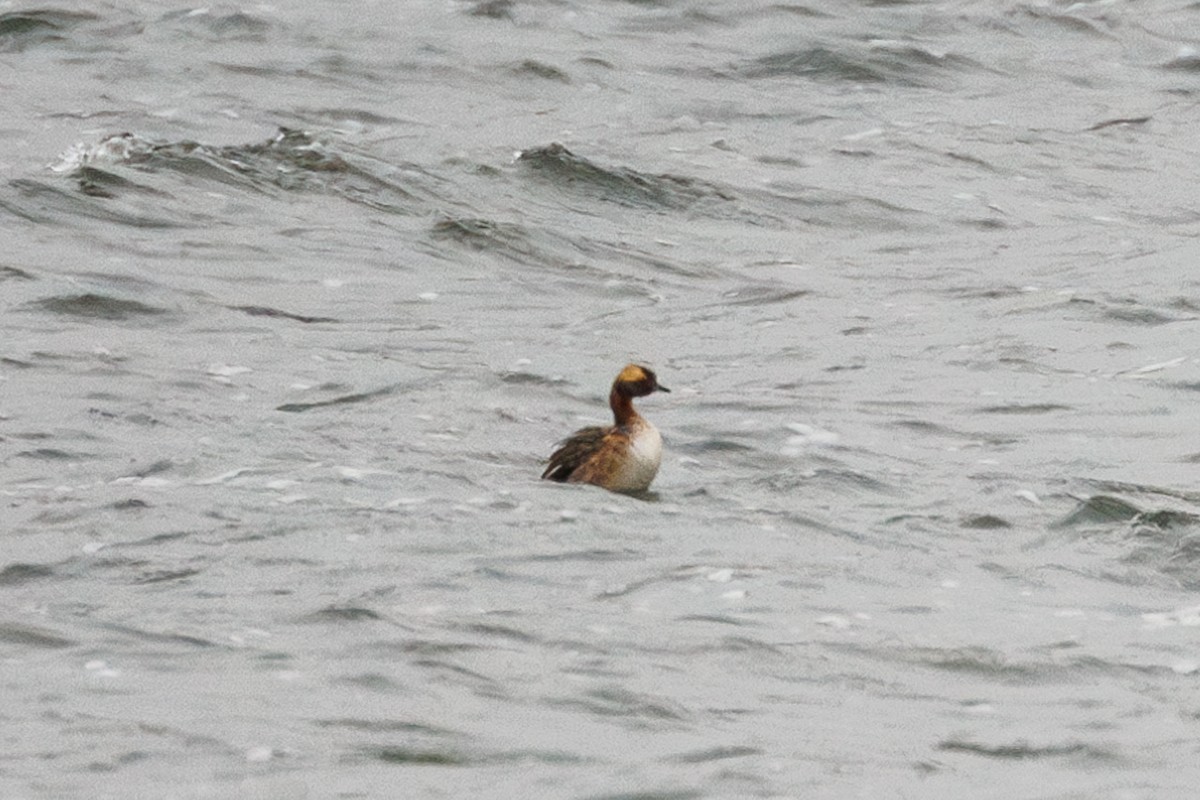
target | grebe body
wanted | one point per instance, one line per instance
(622, 457)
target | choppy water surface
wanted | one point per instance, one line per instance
(297, 300)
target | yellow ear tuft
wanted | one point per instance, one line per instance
(632, 374)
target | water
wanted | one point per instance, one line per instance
(297, 301)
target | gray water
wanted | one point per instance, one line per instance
(298, 298)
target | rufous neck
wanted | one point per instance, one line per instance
(622, 407)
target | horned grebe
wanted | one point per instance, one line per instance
(623, 457)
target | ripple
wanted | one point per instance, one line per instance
(344, 614)
(291, 161)
(504, 239)
(346, 399)
(618, 702)
(417, 757)
(29, 636)
(985, 522)
(1099, 509)
(531, 68)
(235, 26)
(275, 313)
(40, 202)
(1022, 750)
(666, 794)
(493, 9)
(884, 62)
(18, 573)
(20, 30)
(98, 306)
(621, 185)
(1024, 408)
(162, 576)
(1187, 60)
(14, 274)
(715, 754)
(384, 726)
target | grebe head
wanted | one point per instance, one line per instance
(637, 381)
